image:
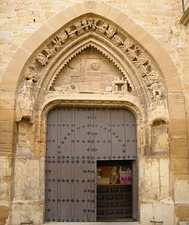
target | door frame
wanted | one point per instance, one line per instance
(102, 104)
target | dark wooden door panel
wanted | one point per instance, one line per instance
(76, 139)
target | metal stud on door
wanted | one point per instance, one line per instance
(76, 139)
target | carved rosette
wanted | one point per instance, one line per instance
(90, 24)
(95, 65)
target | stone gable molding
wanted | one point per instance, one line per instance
(158, 59)
(119, 39)
(149, 44)
(89, 27)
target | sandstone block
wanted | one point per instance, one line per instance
(178, 126)
(179, 152)
(179, 165)
(6, 126)
(158, 211)
(182, 212)
(6, 115)
(7, 104)
(4, 212)
(181, 191)
(7, 149)
(29, 211)
(6, 138)
(3, 9)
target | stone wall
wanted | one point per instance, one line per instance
(162, 174)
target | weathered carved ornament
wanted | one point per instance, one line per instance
(25, 101)
(86, 25)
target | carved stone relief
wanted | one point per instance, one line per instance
(108, 31)
(25, 100)
(84, 74)
(30, 74)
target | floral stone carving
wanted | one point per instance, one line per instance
(89, 24)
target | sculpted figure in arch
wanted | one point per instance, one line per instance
(157, 91)
(25, 101)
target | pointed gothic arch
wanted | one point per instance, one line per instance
(149, 44)
(14, 74)
(138, 69)
(39, 56)
(157, 55)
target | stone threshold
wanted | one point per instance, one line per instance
(92, 223)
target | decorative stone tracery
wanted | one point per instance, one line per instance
(89, 25)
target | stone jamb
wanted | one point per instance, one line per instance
(168, 69)
(141, 130)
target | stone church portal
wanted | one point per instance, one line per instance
(94, 112)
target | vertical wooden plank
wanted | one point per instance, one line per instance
(76, 139)
(84, 172)
(102, 134)
(66, 191)
(80, 185)
(117, 119)
(92, 192)
(65, 132)
(135, 210)
(130, 135)
(51, 167)
(82, 140)
(66, 167)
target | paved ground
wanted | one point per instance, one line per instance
(95, 223)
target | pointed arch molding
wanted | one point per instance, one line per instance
(142, 61)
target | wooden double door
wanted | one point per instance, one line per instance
(77, 138)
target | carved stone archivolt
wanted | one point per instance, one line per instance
(88, 25)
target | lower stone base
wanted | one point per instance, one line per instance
(4, 213)
(96, 223)
(182, 212)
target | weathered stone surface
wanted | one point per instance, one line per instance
(4, 213)
(5, 178)
(154, 185)
(55, 53)
(181, 191)
(159, 212)
(26, 211)
(182, 212)
(28, 187)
